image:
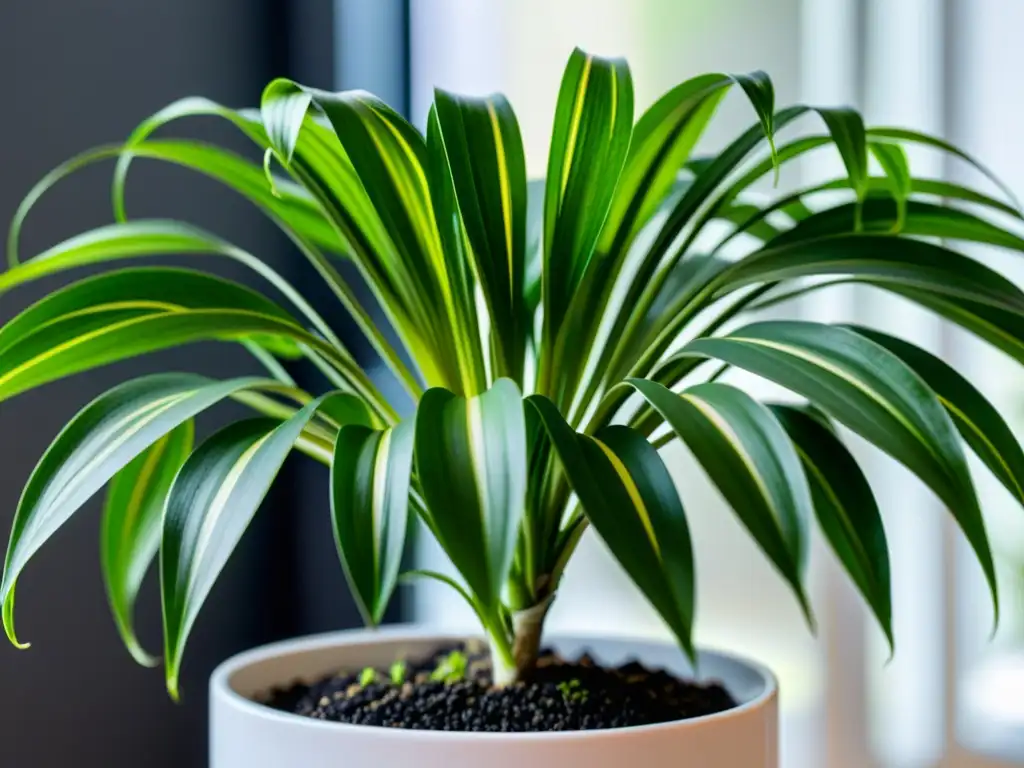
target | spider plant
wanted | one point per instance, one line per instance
(551, 336)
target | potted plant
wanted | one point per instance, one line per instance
(547, 357)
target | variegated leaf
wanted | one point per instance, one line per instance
(628, 495)
(369, 509)
(102, 439)
(211, 503)
(845, 508)
(977, 420)
(130, 534)
(478, 146)
(864, 386)
(471, 466)
(593, 118)
(747, 454)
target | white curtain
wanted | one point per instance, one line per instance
(950, 697)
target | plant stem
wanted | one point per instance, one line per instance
(528, 626)
(503, 665)
(510, 663)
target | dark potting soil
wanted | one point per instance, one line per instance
(560, 695)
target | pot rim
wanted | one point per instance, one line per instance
(220, 683)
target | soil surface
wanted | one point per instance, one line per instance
(561, 695)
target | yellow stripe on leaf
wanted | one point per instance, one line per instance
(633, 491)
(217, 509)
(505, 186)
(727, 432)
(574, 125)
(141, 419)
(847, 376)
(138, 494)
(381, 476)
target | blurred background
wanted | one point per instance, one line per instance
(84, 72)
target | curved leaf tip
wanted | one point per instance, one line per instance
(283, 108)
(172, 687)
(8, 617)
(761, 93)
(268, 158)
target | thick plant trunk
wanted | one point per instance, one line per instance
(528, 627)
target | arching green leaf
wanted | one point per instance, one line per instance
(879, 259)
(977, 420)
(893, 160)
(847, 132)
(629, 498)
(662, 141)
(370, 508)
(147, 238)
(845, 508)
(130, 535)
(920, 219)
(211, 503)
(285, 201)
(923, 139)
(55, 351)
(761, 92)
(1001, 328)
(846, 127)
(131, 292)
(750, 459)
(334, 211)
(100, 441)
(389, 158)
(864, 386)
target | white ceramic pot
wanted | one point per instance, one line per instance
(244, 734)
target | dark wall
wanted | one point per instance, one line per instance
(79, 73)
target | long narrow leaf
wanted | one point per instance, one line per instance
(148, 238)
(285, 202)
(750, 459)
(874, 217)
(54, 351)
(845, 508)
(211, 503)
(628, 496)
(904, 135)
(389, 158)
(461, 281)
(1001, 328)
(135, 292)
(471, 466)
(130, 535)
(593, 119)
(485, 157)
(662, 141)
(329, 209)
(101, 440)
(761, 92)
(847, 129)
(879, 259)
(893, 160)
(975, 417)
(655, 268)
(864, 386)
(919, 219)
(369, 509)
